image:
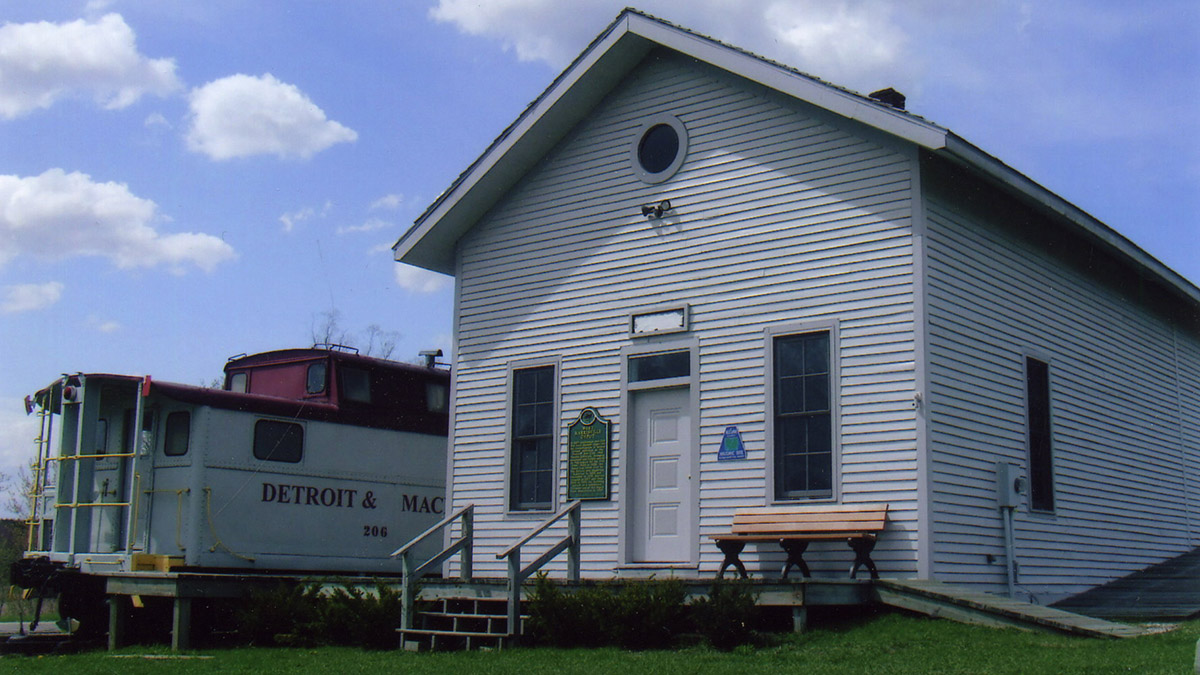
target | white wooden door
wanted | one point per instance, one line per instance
(662, 509)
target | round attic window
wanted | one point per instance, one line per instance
(659, 149)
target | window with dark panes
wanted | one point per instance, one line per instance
(278, 441)
(532, 462)
(658, 148)
(1041, 465)
(661, 366)
(803, 417)
(178, 433)
(356, 385)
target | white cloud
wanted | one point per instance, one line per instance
(291, 220)
(1033, 66)
(43, 62)
(101, 325)
(419, 280)
(371, 225)
(30, 297)
(388, 202)
(843, 42)
(537, 30)
(855, 43)
(156, 121)
(59, 215)
(241, 116)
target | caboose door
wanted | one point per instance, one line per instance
(109, 472)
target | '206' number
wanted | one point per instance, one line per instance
(374, 531)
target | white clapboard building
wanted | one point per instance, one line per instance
(780, 292)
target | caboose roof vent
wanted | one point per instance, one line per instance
(890, 97)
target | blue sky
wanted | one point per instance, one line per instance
(184, 181)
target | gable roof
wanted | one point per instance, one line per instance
(430, 242)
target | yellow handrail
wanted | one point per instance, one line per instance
(100, 456)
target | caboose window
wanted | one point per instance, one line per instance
(178, 433)
(437, 397)
(356, 385)
(237, 382)
(316, 378)
(532, 460)
(101, 436)
(278, 441)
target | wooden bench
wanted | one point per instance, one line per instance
(795, 527)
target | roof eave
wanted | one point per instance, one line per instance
(996, 170)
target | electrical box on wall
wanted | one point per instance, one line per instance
(1010, 485)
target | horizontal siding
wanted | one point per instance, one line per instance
(1124, 413)
(780, 217)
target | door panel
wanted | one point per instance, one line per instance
(662, 509)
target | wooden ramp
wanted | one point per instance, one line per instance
(968, 606)
(1168, 591)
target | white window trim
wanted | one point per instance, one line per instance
(555, 438)
(832, 327)
(666, 174)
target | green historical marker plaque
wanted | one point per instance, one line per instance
(589, 449)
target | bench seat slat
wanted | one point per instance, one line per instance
(804, 523)
(793, 515)
(843, 509)
(776, 536)
(798, 528)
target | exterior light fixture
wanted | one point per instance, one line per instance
(656, 211)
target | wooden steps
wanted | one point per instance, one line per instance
(969, 606)
(452, 623)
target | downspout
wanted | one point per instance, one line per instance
(1010, 550)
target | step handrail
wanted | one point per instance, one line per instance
(410, 574)
(517, 574)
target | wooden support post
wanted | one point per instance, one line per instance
(466, 565)
(573, 529)
(116, 621)
(181, 625)
(514, 593)
(408, 591)
(799, 618)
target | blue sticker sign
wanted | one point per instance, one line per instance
(731, 445)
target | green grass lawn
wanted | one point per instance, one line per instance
(885, 643)
(17, 609)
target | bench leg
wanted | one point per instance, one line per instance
(732, 549)
(862, 556)
(795, 556)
